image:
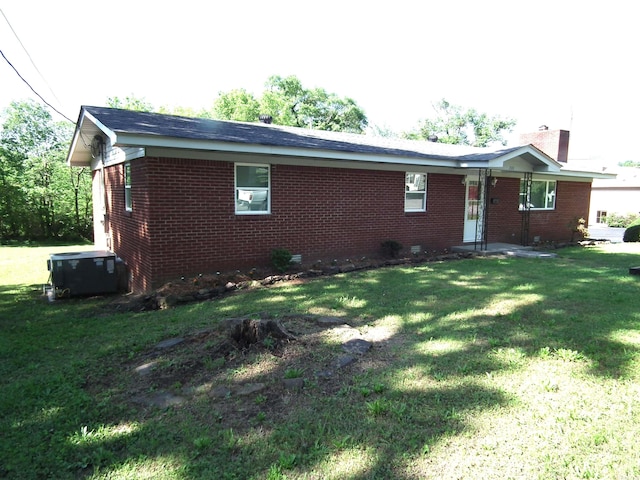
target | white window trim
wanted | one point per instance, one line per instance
(409, 190)
(128, 201)
(547, 182)
(267, 189)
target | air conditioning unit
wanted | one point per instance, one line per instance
(83, 273)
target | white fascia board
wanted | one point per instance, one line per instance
(590, 175)
(73, 148)
(109, 133)
(547, 163)
(256, 149)
(74, 145)
(572, 175)
(79, 154)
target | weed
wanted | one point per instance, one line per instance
(568, 355)
(229, 439)
(377, 407)
(269, 342)
(399, 409)
(202, 443)
(287, 461)
(293, 373)
(275, 473)
(544, 352)
(365, 391)
(211, 363)
(599, 439)
(342, 442)
(379, 387)
(281, 259)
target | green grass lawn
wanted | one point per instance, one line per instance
(488, 368)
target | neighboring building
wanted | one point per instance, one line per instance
(619, 196)
(177, 196)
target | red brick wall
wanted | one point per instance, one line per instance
(505, 220)
(184, 223)
(129, 231)
(572, 202)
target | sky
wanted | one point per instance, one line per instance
(567, 64)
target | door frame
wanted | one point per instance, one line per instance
(475, 207)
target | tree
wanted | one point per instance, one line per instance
(130, 102)
(238, 105)
(36, 201)
(455, 125)
(284, 99)
(186, 112)
(629, 163)
(289, 103)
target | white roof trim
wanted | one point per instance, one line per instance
(529, 157)
(217, 146)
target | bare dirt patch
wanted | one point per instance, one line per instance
(242, 378)
(210, 286)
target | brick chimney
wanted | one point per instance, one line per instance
(554, 143)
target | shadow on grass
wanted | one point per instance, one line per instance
(457, 323)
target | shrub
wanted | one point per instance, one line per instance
(632, 234)
(578, 225)
(635, 223)
(621, 221)
(390, 248)
(280, 259)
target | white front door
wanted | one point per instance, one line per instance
(474, 211)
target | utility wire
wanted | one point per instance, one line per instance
(15, 34)
(32, 89)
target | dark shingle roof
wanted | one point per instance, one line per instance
(160, 125)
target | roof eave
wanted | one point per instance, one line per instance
(86, 128)
(136, 140)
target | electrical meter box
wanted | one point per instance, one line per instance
(83, 273)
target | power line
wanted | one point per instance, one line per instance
(15, 34)
(32, 89)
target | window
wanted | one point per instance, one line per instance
(601, 216)
(128, 203)
(542, 195)
(415, 196)
(252, 189)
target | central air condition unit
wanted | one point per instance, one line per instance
(83, 273)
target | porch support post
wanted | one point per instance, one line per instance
(525, 207)
(482, 219)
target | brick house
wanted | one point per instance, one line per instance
(178, 196)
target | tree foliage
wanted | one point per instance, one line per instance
(289, 103)
(238, 105)
(130, 102)
(456, 125)
(40, 197)
(629, 163)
